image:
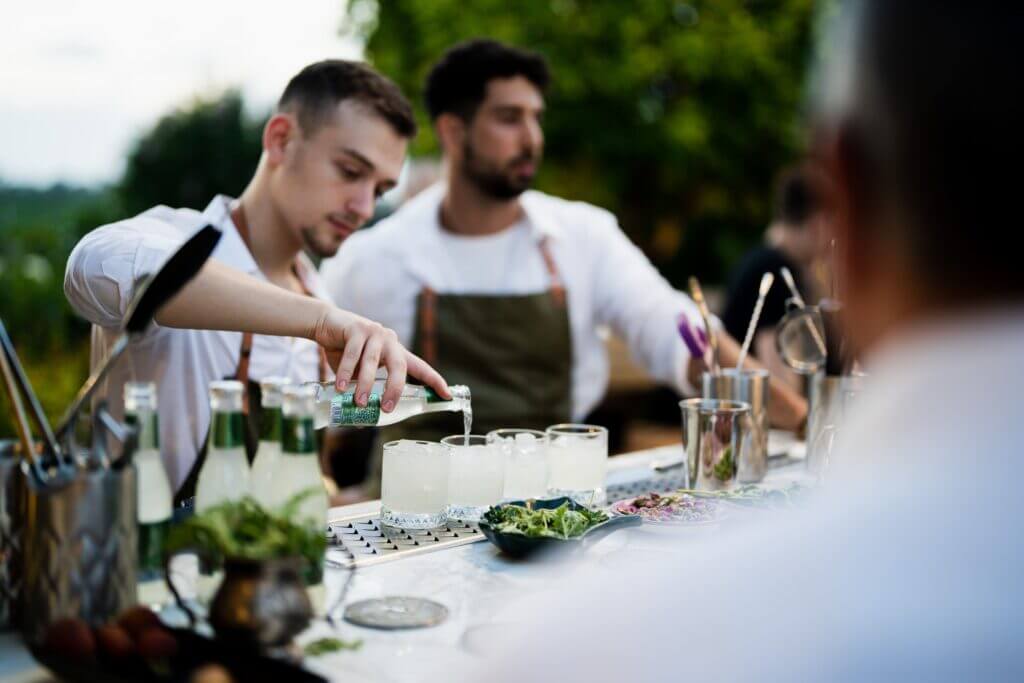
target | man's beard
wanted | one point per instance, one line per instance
(491, 181)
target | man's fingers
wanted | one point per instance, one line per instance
(353, 350)
(422, 371)
(368, 365)
(394, 360)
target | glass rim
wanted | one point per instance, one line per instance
(575, 429)
(418, 442)
(516, 430)
(715, 406)
(463, 439)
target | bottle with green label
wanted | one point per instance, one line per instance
(225, 472)
(268, 454)
(154, 488)
(334, 409)
(299, 468)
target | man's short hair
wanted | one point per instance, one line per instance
(928, 94)
(457, 84)
(314, 93)
(797, 197)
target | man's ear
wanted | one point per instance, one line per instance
(451, 132)
(280, 130)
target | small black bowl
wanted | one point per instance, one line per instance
(518, 545)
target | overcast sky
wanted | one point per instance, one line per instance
(81, 79)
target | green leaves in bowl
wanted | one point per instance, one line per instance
(562, 522)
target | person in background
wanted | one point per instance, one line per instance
(506, 289)
(335, 143)
(907, 565)
(794, 240)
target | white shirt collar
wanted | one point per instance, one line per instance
(231, 249)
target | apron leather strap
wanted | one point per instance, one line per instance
(557, 288)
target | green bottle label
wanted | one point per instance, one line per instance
(345, 412)
(270, 424)
(298, 437)
(148, 431)
(432, 396)
(226, 430)
(151, 546)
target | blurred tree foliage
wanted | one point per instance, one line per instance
(676, 116)
(191, 155)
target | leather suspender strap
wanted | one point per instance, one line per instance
(428, 324)
(557, 288)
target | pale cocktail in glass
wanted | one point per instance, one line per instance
(414, 484)
(526, 462)
(578, 462)
(476, 476)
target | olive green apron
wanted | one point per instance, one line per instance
(252, 398)
(513, 352)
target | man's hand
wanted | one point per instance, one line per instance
(357, 346)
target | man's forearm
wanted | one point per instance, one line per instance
(223, 298)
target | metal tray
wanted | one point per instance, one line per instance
(362, 541)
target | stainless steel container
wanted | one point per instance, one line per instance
(10, 533)
(80, 546)
(751, 387)
(717, 441)
(830, 400)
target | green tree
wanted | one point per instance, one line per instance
(191, 155)
(676, 116)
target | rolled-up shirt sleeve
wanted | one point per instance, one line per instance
(641, 306)
(105, 267)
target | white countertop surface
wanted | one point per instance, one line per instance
(480, 587)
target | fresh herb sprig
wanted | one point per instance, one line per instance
(323, 646)
(247, 530)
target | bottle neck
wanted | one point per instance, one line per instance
(227, 430)
(148, 429)
(270, 424)
(298, 437)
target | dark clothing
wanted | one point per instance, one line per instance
(743, 289)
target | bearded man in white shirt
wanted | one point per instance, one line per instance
(505, 289)
(336, 142)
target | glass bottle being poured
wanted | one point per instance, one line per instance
(339, 409)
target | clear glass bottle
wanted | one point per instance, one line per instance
(155, 496)
(225, 473)
(268, 455)
(335, 409)
(299, 468)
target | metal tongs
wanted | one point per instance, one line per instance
(18, 387)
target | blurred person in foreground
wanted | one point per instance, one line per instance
(506, 289)
(908, 564)
(336, 142)
(794, 241)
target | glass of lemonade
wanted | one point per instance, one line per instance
(476, 476)
(414, 484)
(526, 461)
(578, 462)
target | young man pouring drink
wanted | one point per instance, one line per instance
(506, 289)
(335, 143)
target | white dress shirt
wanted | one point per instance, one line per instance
(609, 282)
(906, 566)
(100, 282)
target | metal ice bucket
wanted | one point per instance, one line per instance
(80, 544)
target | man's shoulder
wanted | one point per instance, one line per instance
(572, 211)
(165, 218)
